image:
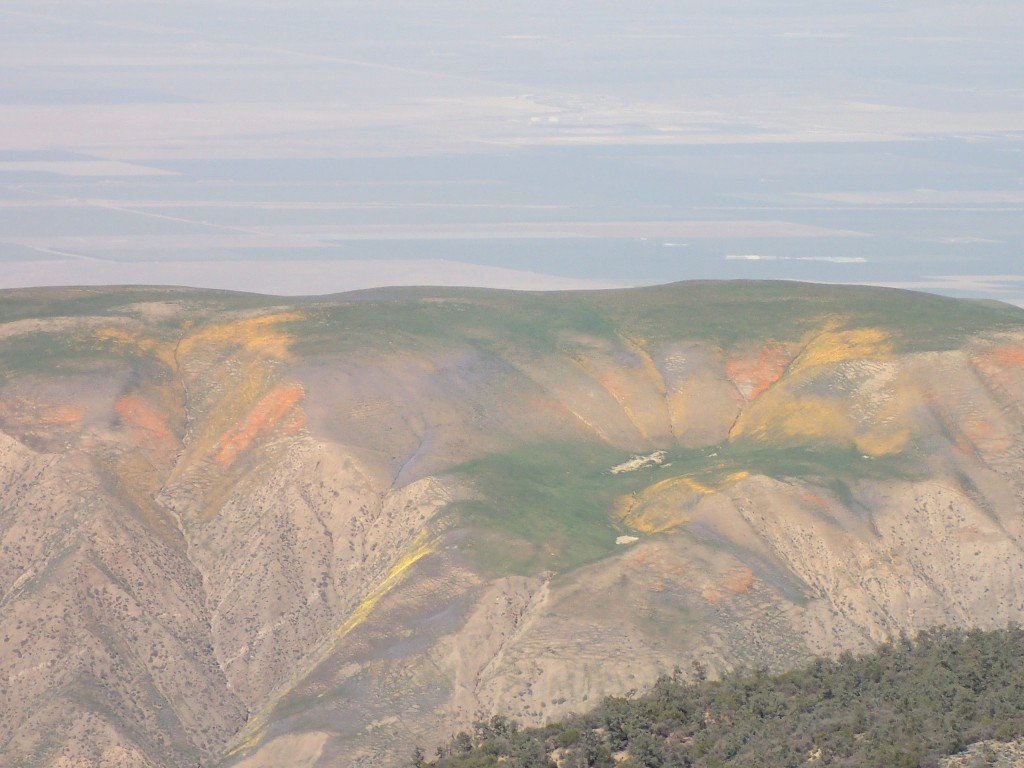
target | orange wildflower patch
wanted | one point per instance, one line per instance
(710, 594)
(753, 375)
(814, 500)
(262, 419)
(254, 334)
(62, 415)
(1001, 365)
(1003, 357)
(739, 579)
(735, 581)
(145, 420)
(41, 414)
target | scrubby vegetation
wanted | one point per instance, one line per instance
(908, 704)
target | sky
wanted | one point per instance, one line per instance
(311, 147)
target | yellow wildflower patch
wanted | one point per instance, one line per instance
(667, 504)
(422, 546)
(258, 335)
(149, 345)
(837, 346)
(789, 416)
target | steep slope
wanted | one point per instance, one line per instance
(245, 531)
(911, 702)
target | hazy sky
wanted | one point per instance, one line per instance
(311, 147)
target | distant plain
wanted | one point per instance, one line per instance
(316, 147)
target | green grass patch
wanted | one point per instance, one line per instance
(548, 507)
(20, 304)
(728, 314)
(491, 321)
(544, 507)
(53, 354)
(825, 463)
(733, 313)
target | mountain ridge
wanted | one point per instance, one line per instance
(354, 525)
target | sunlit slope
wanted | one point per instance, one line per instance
(542, 414)
(329, 528)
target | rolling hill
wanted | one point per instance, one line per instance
(250, 531)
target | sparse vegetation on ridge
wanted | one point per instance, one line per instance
(909, 703)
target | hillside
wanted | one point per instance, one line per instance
(249, 531)
(909, 703)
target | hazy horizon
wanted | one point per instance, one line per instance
(315, 147)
